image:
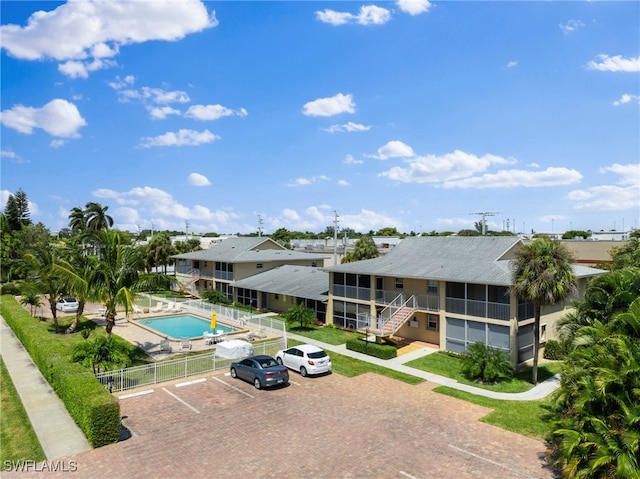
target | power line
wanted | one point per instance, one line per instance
(483, 222)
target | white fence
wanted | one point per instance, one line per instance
(172, 369)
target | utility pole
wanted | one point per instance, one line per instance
(187, 226)
(335, 238)
(259, 225)
(483, 223)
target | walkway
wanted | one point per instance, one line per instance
(57, 432)
(540, 391)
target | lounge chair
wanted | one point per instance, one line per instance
(174, 307)
(208, 337)
(136, 309)
(165, 345)
(159, 307)
(185, 343)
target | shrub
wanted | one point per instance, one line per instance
(382, 351)
(96, 412)
(9, 288)
(484, 363)
(554, 350)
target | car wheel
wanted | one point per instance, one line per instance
(303, 371)
(256, 383)
(279, 361)
(233, 373)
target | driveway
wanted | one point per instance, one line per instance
(325, 427)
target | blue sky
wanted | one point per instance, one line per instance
(408, 114)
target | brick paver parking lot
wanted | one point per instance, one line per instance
(326, 427)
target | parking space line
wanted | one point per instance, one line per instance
(181, 400)
(133, 395)
(406, 474)
(233, 387)
(188, 383)
(491, 462)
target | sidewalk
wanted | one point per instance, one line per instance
(57, 432)
(539, 391)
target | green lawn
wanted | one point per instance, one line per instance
(523, 417)
(450, 366)
(18, 441)
(325, 334)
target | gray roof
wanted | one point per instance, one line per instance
(248, 250)
(464, 259)
(299, 281)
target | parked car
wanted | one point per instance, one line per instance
(262, 371)
(67, 305)
(306, 359)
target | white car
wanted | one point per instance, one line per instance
(306, 359)
(67, 305)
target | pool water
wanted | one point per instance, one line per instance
(183, 325)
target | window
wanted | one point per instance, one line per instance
(399, 283)
(314, 264)
(432, 286)
(276, 296)
(259, 265)
(432, 322)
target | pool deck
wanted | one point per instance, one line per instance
(150, 341)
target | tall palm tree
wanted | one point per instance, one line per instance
(96, 217)
(542, 274)
(119, 275)
(77, 221)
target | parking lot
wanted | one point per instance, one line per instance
(324, 427)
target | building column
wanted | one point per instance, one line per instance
(329, 312)
(513, 329)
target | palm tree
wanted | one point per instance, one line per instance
(30, 296)
(598, 402)
(299, 313)
(39, 267)
(542, 274)
(77, 222)
(96, 217)
(119, 276)
(365, 248)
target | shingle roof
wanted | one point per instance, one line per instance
(464, 259)
(299, 281)
(246, 250)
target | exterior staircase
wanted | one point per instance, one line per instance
(391, 318)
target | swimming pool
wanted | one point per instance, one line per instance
(183, 325)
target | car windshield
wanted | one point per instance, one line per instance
(268, 363)
(317, 355)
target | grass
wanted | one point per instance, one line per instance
(351, 367)
(523, 417)
(325, 334)
(18, 440)
(450, 366)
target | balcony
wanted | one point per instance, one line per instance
(480, 309)
(351, 292)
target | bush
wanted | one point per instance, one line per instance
(382, 351)
(554, 350)
(96, 412)
(9, 288)
(484, 363)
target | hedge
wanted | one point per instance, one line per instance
(382, 351)
(92, 407)
(554, 350)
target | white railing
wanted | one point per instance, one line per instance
(390, 313)
(173, 369)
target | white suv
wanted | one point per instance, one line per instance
(306, 359)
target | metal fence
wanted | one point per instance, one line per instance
(173, 369)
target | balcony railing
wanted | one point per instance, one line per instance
(226, 275)
(352, 292)
(480, 309)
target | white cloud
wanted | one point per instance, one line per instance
(180, 138)
(317, 218)
(348, 127)
(571, 26)
(330, 106)
(394, 149)
(212, 112)
(612, 197)
(343, 183)
(12, 156)
(85, 34)
(160, 113)
(196, 179)
(512, 64)
(350, 160)
(159, 96)
(627, 98)
(367, 15)
(448, 167)
(57, 143)
(414, 7)
(142, 206)
(618, 63)
(308, 181)
(518, 178)
(58, 118)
